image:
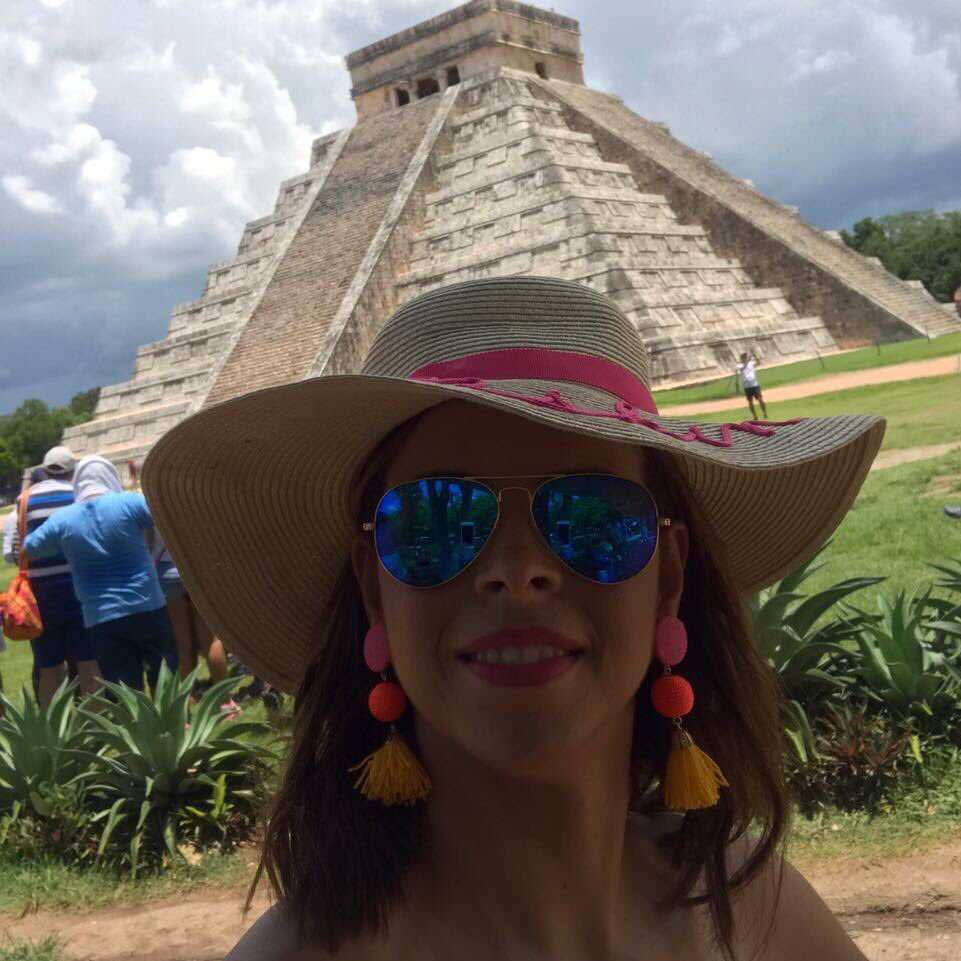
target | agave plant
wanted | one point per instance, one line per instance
(950, 575)
(903, 659)
(784, 620)
(163, 758)
(38, 749)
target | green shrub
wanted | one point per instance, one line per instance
(164, 780)
(803, 652)
(43, 796)
(127, 779)
(907, 662)
(38, 749)
(857, 761)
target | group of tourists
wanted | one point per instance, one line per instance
(111, 602)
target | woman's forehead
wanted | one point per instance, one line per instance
(462, 438)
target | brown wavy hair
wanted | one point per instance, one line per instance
(337, 862)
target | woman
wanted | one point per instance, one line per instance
(548, 792)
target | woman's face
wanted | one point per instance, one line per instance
(516, 582)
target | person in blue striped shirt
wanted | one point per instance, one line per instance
(102, 535)
(63, 636)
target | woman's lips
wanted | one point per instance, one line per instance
(521, 657)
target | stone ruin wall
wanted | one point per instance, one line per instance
(752, 228)
(852, 319)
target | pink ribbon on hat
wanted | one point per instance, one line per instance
(535, 363)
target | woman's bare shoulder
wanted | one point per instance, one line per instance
(271, 938)
(781, 909)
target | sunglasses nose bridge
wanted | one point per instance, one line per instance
(503, 490)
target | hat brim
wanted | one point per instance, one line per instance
(256, 498)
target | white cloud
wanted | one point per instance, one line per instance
(140, 137)
(29, 197)
(76, 92)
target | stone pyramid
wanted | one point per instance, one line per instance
(478, 152)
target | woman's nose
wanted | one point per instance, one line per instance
(515, 558)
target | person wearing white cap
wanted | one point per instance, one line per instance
(124, 611)
(63, 638)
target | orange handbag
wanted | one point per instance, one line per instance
(21, 615)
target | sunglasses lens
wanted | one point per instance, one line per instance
(602, 527)
(427, 531)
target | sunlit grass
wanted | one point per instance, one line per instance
(865, 359)
(919, 412)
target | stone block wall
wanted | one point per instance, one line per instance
(519, 192)
(859, 302)
(281, 339)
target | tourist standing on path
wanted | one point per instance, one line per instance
(63, 639)
(746, 371)
(102, 536)
(530, 719)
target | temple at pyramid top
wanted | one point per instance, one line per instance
(461, 44)
(479, 152)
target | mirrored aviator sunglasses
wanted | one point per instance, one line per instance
(427, 531)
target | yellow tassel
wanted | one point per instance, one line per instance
(392, 774)
(692, 779)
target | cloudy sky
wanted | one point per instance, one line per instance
(138, 136)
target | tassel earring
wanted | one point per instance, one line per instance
(392, 774)
(692, 779)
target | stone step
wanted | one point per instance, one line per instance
(618, 282)
(678, 239)
(141, 426)
(512, 196)
(263, 234)
(554, 199)
(290, 199)
(224, 275)
(742, 333)
(170, 384)
(709, 272)
(524, 106)
(517, 134)
(199, 314)
(577, 237)
(583, 172)
(949, 324)
(699, 356)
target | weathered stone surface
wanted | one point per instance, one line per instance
(503, 172)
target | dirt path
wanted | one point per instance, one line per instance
(907, 909)
(933, 367)
(906, 455)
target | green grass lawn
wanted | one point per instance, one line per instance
(896, 526)
(16, 662)
(919, 412)
(868, 357)
(29, 885)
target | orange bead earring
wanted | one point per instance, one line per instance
(392, 774)
(692, 779)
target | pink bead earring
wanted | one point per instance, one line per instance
(392, 774)
(691, 779)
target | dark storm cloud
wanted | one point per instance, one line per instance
(139, 138)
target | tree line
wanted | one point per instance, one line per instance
(916, 245)
(33, 428)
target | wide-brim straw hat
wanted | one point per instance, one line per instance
(257, 497)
